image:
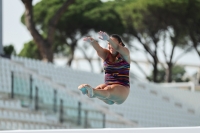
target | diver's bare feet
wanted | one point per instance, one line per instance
(86, 89)
(83, 89)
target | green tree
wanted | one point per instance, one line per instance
(44, 43)
(152, 21)
(84, 16)
(30, 50)
(191, 20)
(175, 13)
(178, 73)
(144, 27)
(80, 18)
(9, 50)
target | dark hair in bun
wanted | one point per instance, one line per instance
(118, 38)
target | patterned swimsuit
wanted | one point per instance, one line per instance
(117, 72)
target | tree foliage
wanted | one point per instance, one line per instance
(9, 50)
(149, 21)
(44, 43)
(30, 50)
(178, 75)
(77, 21)
(152, 21)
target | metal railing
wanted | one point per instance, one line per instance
(61, 112)
(191, 85)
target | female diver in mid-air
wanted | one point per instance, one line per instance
(116, 65)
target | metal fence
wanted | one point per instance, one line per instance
(33, 97)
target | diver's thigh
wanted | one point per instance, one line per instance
(118, 93)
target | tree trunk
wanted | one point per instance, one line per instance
(44, 45)
(155, 58)
(41, 43)
(194, 41)
(198, 52)
(168, 72)
(155, 71)
(69, 63)
(48, 52)
(87, 58)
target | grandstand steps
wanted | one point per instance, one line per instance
(45, 74)
(185, 99)
(10, 124)
(151, 95)
(148, 105)
(15, 116)
(179, 98)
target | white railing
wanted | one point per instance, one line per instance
(115, 130)
(180, 85)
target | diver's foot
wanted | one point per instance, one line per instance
(88, 89)
(83, 89)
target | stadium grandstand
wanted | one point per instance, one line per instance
(40, 95)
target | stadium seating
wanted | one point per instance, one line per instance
(148, 104)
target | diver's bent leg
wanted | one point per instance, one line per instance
(83, 88)
(115, 93)
(108, 93)
(102, 93)
(86, 89)
(101, 86)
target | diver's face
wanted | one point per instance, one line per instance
(110, 48)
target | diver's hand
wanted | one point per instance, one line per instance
(88, 39)
(103, 36)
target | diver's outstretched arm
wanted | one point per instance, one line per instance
(102, 53)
